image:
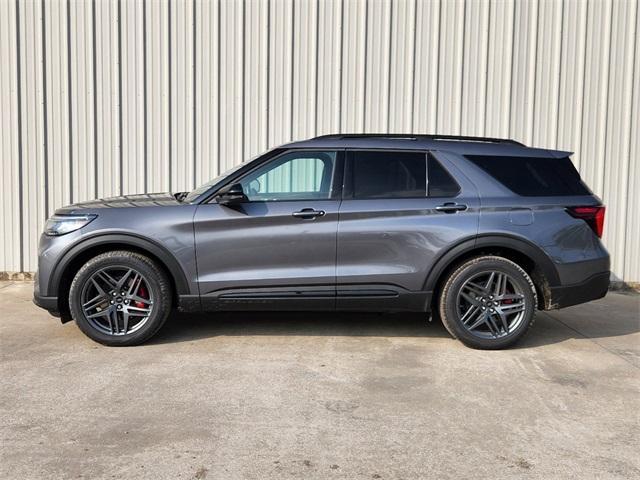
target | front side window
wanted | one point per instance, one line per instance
(292, 176)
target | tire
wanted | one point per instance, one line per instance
(470, 293)
(120, 298)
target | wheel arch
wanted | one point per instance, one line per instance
(76, 256)
(526, 254)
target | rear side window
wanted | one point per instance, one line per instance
(532, 176)
(389, 174)
(379, 174)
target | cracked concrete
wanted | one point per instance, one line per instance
(349, 396)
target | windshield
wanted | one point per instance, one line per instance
(206, 186)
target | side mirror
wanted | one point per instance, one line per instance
(231, 195)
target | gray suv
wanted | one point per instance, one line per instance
(479, 232)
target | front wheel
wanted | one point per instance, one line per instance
(120, 298)
(488, 302)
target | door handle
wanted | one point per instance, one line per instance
(308, 213)
(451, 207)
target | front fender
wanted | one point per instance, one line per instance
(120, 240)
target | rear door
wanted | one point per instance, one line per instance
(277, 249)
(400, 211)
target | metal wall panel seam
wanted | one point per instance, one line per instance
(631, 255)
(219, 94)
(559, 97)
(292, 66)
(145, 97)
(616, 179)
(410, 107)
(20, 137)
(317, 75)
(462, 68)
(120, 153)
(44, 110)
(169, 94)
(532, 133)
(390, 59)
(486, 70)
(94, 72)
(340, 67)
(70, 97)
(9, 198)
(363, 68)
(194, 60)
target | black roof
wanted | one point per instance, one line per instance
(464, 145)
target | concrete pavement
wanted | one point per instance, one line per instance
(348, 396)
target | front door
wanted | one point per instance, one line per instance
(401, 210)
(278, 249)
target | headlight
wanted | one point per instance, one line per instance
(61, 224)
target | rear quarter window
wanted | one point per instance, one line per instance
(534, 176)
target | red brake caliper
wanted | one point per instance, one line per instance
(142, 292)
(508, 301)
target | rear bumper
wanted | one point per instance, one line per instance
(593, 288)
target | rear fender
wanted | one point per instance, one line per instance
(540, 259)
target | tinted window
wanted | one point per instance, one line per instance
(531, 176)
(441, 184)
(293, 176)
(389, 174)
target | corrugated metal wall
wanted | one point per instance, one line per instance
(106, 97)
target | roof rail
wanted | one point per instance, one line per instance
(414, 136)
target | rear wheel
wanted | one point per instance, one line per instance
(120, 298)
(488, 302)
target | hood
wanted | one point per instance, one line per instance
(125, 201)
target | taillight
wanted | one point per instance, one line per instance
(594, 216)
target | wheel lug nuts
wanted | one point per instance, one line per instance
(484, 308)
(112, 302)
(113, 293)
(492, 310)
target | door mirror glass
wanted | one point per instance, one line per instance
(254, 188)
(232, 195)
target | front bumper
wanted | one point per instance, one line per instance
(593, 288)
(48, 303)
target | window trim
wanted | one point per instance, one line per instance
(348, 190)
(336, 180)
